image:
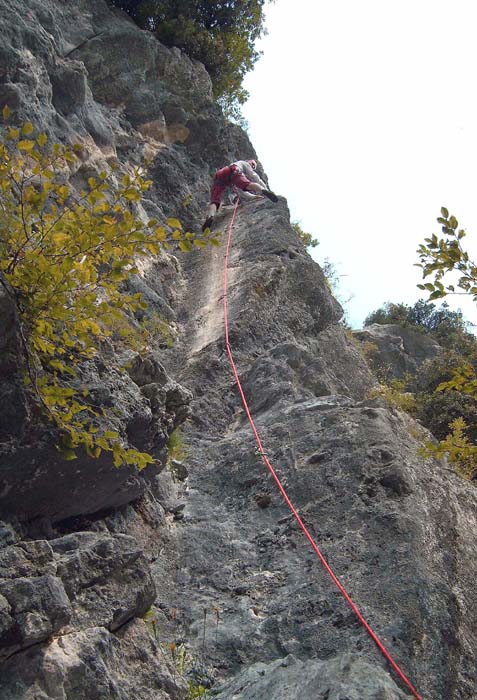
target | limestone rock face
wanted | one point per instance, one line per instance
(36, 482)
(351, 466)
(71, 582)
(117, 585)
(396, 350)
(297, 680)
(71, 610)
(94, 664)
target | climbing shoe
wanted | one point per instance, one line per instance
(207, 223)
(270, 195)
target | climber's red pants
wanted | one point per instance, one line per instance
(226, 177)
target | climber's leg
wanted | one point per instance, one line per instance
(216, 194)
(254, 187)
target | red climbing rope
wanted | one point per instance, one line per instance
(335, 580)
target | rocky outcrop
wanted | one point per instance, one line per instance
(73, 582)
(297, 680)
(209, 547)
(37, 482)
(395, 351)
(72, 609)
(95, 664)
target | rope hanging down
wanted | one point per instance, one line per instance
(281, 488)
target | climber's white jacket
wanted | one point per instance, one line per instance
(246, 169)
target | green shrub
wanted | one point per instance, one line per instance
(436, 408)
(64, 258)
(306, 238)
(176, 447)
(197, 692)
(444, 390)
(458, 449)
(396, 395)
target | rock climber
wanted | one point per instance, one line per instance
(242, 175)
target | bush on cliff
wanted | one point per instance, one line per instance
(444, 389)
(437, 409)
(220, 34)
(305, 237)
(423, 395)
(64, 256)
(452, 271)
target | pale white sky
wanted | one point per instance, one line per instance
(364, 115)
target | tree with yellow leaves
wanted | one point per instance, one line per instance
(64, 256)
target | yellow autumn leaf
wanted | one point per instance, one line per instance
(60, 238)
(26, 145)
(132, 195)
(100, 208)
(174, 223)
(89, 326)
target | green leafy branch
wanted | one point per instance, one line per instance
(458, 449)
(64, 258)
(440, 256)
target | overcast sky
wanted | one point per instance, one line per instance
(364, 115)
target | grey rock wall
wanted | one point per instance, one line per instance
(37, 482)
(298, 680)
(393, 526)
(396, 351)
(209, 551)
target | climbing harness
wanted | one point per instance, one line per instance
(281, 488)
